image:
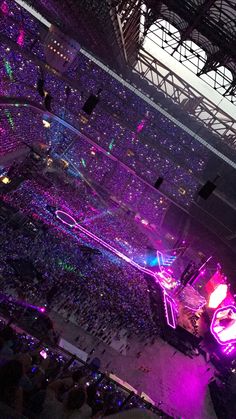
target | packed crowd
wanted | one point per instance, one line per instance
(97, 213)
(115, 123)
(102, 293)
(121, 183)
(105, 296)
(38, 381)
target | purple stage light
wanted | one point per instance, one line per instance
(223, 325)
(42, 309)
(66, 218)
(141, 125)
(228, 349)
(165, 278)
(4, 8)
(21, 37)
(169, 311)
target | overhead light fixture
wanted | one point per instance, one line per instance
(5, 180)
(46, 123)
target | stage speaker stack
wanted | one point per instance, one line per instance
(207, 190)
(40, 87)
(47, 102)
(90, 104)
(158, 182)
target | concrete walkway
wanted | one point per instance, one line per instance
(166, 375)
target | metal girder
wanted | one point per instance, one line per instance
(213, 62)
(231, 91)
(210, 22)
(195, 58)
(126, 23)
(195, 21)
(201, 11)
(151, 14)
(186, 96)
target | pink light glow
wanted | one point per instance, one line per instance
(169, 311)
(21, 37)
(66, 218)
(42, 309)
(141, 126)
(216, 279)
(165, 279)
(4, 8)
(218, 295)
(228, 349)
(223, 325)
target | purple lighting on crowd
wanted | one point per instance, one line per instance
(4, 8)
(21, 37)
(22, 303)
(141, 125)
(68, 220)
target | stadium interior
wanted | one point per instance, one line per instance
(117, 209)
